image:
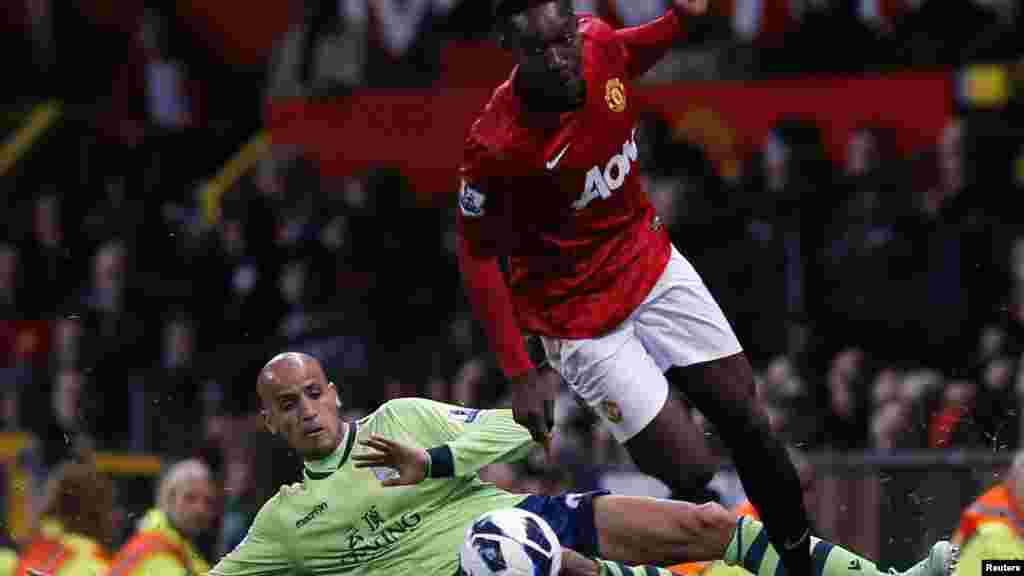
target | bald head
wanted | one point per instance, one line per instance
(287, 366)
(300, 404)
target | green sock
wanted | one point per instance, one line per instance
(751, 549)
(609, 568)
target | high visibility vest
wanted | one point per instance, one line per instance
(43, 557)
(143, 546)
(995, 506)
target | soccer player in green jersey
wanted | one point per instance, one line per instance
(391, 494)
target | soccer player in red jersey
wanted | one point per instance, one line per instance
(549, 182)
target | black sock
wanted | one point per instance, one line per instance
(773, 487)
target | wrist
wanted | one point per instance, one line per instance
(426, 468)
(441, 462)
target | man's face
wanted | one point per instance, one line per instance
(550, 56)
(301, 406)
(860, 153)
(194, 506)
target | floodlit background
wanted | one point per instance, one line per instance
(190, 187)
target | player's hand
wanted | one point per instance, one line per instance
(533, 403)
(410, 461)
(691, 7)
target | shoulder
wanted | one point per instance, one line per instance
(599, 38)
(593, 28)
(410, 405)
(998, 494)
(160, 562)
(428, 412)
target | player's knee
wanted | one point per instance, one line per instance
(697, 522)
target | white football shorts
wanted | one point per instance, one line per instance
(621, 374)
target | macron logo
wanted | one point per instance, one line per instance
(316, 511)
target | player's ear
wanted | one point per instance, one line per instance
(268, 423)
(337, 394)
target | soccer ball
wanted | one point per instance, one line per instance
(510, 542)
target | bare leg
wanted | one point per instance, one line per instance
(574, 564)
(723, 390)
(674, 432)
(661, 532)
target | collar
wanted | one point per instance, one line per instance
(320, 469)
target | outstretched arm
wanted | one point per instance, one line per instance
(491, 300)
(648, 43)
(444, 441)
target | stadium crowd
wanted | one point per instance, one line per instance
(881, 299)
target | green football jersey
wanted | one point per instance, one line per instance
(345, 522)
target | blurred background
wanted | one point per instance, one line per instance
(190, 187)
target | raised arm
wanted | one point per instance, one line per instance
(648, 43)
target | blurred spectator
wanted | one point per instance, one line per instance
(105, 295)
(49, 267)
(67, 342)
(116, 214)
(172, 391)
(298, 319)
(1001, 504)
(164, 541)
(897, 399)
(952, 422)
(238, 498)
(404, 40)
(75, 526)
(781, 234)
(321, 53)
(821, 22)
(114, 346)
(889, 425)
(946, 237)
(18, 369)
(10, 282)
(67, 401)
(845, 418)
(240, 284)
(862, 283)
(929, 40)
(67, 418)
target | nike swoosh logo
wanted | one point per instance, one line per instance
(550, 164)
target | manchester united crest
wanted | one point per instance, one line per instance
(615, 95)
(612, 411)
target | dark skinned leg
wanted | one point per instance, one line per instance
(723, 390)
(673, 432)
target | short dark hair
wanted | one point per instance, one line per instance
(505, 9)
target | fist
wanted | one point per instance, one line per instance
(692, 7)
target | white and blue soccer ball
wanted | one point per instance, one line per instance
(510, 542)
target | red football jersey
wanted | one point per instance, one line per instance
(563, 201)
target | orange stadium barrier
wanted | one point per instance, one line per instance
(421, 132)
